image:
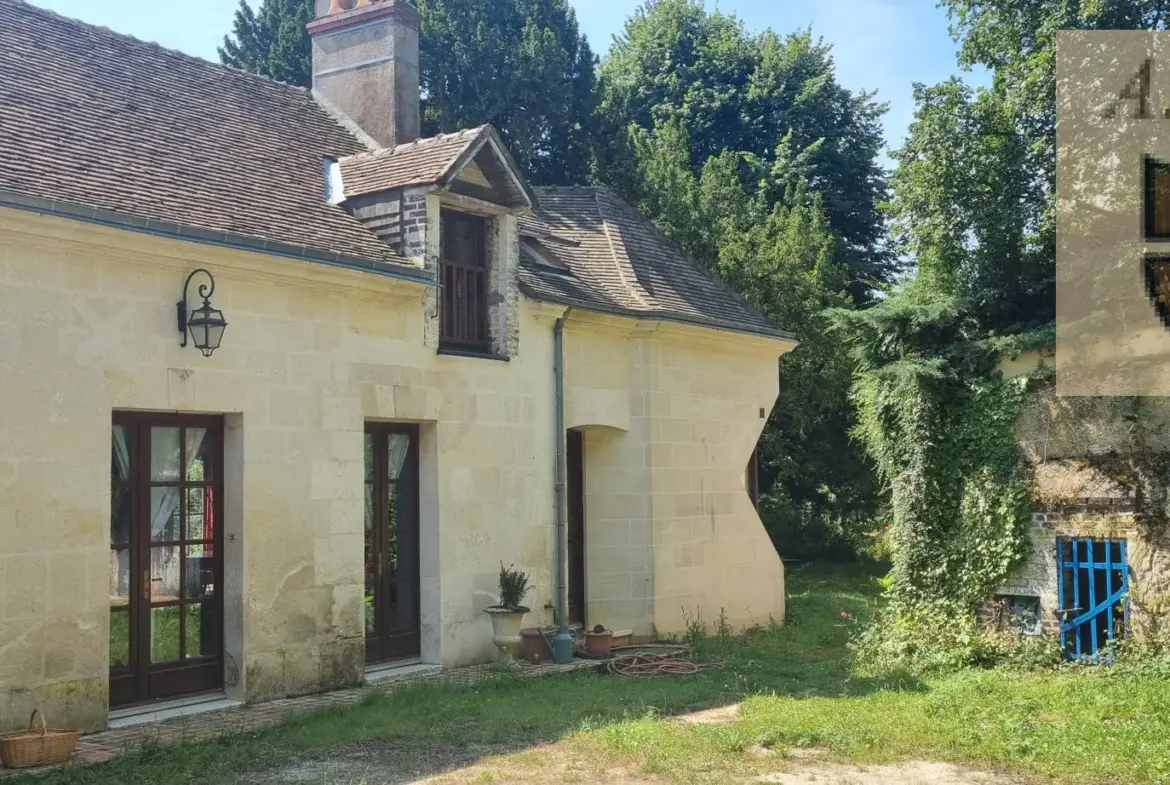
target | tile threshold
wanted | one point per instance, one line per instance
(142, 715)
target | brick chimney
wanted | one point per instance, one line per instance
(365, 63)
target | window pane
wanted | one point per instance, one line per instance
(119, 514)
(164, 454)
(200, 572)
(200, 513)
(202, 630)
(164, 514)
(120, 454)
(392, 531)
(371, 564)
(120, 577)
(200, 455)
(369, 450)
(164, 573)
(462, 237)
(119, 639)
(397, 448)
(164, 633)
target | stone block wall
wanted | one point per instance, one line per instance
(312, 353)
(671, 416)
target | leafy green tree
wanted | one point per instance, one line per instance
(272, 42)
(521, 65)
(971, 212)
(763, 95)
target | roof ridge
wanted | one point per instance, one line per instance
(414, 144)
(74, 21)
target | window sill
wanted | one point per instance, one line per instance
(451, 351)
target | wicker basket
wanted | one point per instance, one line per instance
(37, 747)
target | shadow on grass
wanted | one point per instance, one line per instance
(430, 728)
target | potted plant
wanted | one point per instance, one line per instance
(508, 617)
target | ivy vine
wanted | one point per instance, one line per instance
(938, 420)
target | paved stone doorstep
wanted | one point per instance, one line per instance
(106, 745)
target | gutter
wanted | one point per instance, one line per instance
(563, 642)
(665, 316)
(177, 231)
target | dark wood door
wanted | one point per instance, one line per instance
(166, 556)
(391, 542)
(576, 533)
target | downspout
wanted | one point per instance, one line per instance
(563, 642)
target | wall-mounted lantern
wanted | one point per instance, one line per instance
(206, 324)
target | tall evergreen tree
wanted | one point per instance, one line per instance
(521, 65)
(774, 244)
(272, 42)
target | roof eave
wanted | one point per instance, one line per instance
(176, 231)
(489, 135)
(666, 316)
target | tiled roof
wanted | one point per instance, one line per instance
(97, 123)
(621, 262)
(102, 120)
(420, 162)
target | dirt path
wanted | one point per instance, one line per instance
(577, 760)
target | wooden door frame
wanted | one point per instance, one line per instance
(385, 646)
(141, 682)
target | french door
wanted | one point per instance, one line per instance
(391, 542)
(166, 556)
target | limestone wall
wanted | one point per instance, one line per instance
(671, 416)
(310, 354)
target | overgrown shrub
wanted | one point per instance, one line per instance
(937, 418)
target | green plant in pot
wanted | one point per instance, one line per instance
(508, 616)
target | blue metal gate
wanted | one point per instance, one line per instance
(1092, 586)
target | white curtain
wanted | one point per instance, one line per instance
(397, 449)
(165, 561)
(120, 571)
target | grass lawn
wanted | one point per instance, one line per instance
(796, 690)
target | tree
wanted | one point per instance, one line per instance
(521, 65)
(971, 211)
(751, 94)
(273, 42)
(774, 245)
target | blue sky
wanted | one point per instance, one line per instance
(883, 45)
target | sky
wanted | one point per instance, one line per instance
(882, 45)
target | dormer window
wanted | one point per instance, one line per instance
(464, 266)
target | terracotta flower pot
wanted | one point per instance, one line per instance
(599, 642)
(532, 646)
(506, 624)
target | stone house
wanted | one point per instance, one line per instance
(429, 368)
(1099, 566)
